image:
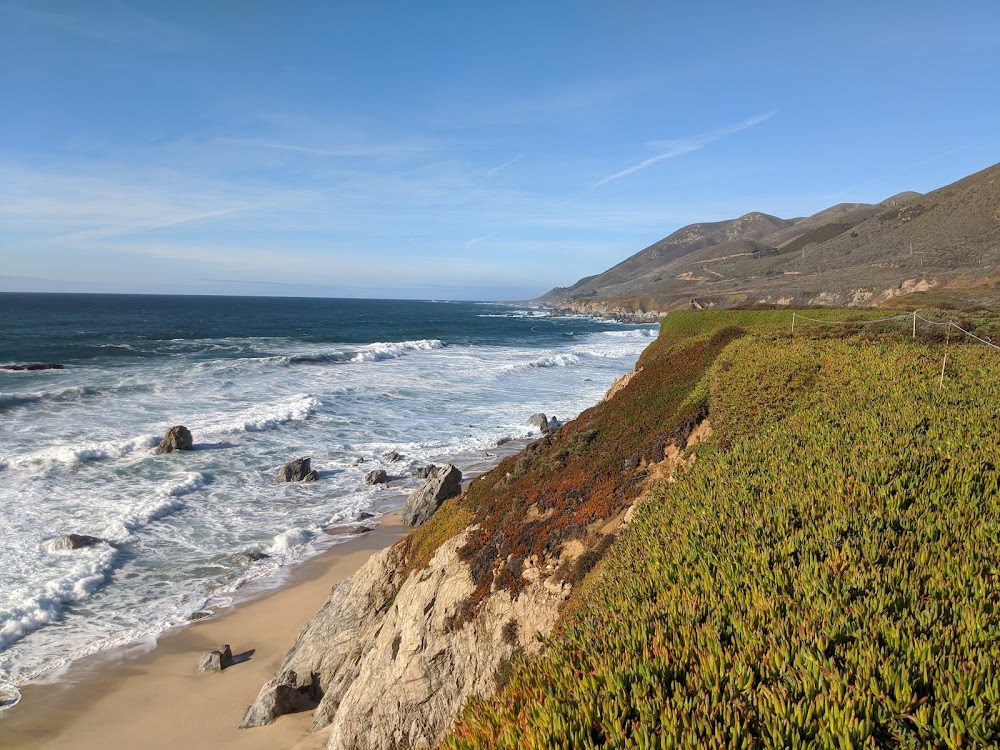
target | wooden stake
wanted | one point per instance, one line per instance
(945, 362)
(914, 324)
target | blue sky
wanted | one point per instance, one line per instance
(454, 149)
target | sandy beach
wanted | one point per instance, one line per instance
(158, 699)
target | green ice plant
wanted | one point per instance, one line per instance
(830, 577)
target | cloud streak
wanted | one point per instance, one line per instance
(497, 170)
(671, 149)
(476, 240)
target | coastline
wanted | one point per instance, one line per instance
(154, 695)
(157, 699)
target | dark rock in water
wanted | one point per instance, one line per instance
(201, 614)
(178, 438)
(424, 471)
(392, 457)
(279, 696)
(33, 366)
(297, 471)
(365, 515)
(538, 420)
(252, 555)
(379, 476)
(70, 542)
(442, 483)
(217, 660)
(358, 461)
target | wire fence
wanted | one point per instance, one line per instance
(914, 316)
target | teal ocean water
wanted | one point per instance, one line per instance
(259, 381)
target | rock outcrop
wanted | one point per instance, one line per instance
(538, 420)
(442, 482)
(396, 660)
(33, 366)
(69, 542)
(297, 471)
(178, 438)
(392, 457)
(378, 476)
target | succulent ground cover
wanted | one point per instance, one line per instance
(827, 574)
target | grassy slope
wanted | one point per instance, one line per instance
(826, 575)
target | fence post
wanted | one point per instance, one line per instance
(914, 324)
(947, 341)
(793, 324)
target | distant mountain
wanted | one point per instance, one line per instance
(851, 253)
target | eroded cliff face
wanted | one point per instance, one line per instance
(400, 648)
(395, 661)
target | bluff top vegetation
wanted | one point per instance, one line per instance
(826, 574)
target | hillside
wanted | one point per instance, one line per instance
(755, 541)
(848, 254)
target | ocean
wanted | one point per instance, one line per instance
(259, 382)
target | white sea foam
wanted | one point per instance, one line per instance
(68, 455)
(269, 417)
(181, 519)
(289, 540)
(27, 612)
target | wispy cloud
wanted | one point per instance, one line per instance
(670, 149)
(497, 170)
(125, 26)
(476, 240)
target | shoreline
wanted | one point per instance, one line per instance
(156, 698)
(153, 695)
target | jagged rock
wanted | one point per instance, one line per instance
(69, 542)
(538, 420)
(394, 660)
(424, 471)
(34, 366)
(378, 476)
(279, 696)
(442, 483)
(333, 642)
(392, 457)
(297, 471)
(217, 660)
(178, 438)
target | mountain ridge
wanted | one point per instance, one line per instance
(846, 254)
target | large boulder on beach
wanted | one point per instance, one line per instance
(297, 471)
(280, 695)
(69, 542)
(379, 476)
(178, 438)
(442, 483)
(216, 660)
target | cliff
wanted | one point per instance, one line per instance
(705, 542)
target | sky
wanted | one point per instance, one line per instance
(457, 150)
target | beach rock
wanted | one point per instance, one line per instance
(424, 471)
(538, 420)
(217, 660)
(378, 476)
(297, 471)
(69, 542)
(442, 483)
(33, 366)
(178, 438)
(365, 515)
(279, 696)
(392, 457)
(252, 555)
